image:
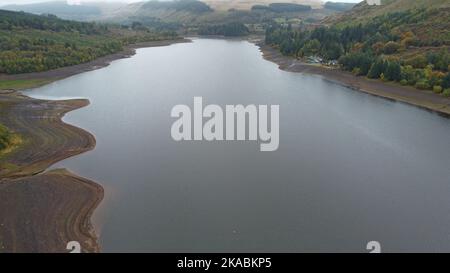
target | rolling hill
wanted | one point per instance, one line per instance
(88, 11)
(362, 12)
(224, 5)
(405, 41)
(193, 13)
(169, 11)
(190, 15)
(426, 19)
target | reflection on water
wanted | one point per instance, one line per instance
(351, 168)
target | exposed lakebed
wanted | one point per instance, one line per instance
(350, 168)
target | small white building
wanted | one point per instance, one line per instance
(373, 2)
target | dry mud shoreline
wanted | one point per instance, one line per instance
(41, 211)
(406, 94)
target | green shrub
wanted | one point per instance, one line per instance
(446, 92)
(391, 47)
(446, 81)
(418, 61)
(393, 71)
(377, 69)
(422, 84)
(356, 71)
(437, 89)
(5, 137)
(404, 82)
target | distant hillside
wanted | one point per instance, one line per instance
(17, 21)
(224, 5)
(427, 19)
(338, 6)
(404, 41)
(363, 12)
(178, 5)
(86, 12)
(192, 14)
(179, 11)
(97, 11)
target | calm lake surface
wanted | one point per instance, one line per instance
(351, 167)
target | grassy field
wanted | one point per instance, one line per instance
(23, 84)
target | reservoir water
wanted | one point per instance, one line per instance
(351, 168)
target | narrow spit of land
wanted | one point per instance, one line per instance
(42, 211)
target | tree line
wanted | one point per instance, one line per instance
(384, 48)
(228, 29)
(10, 20)
(31, 43)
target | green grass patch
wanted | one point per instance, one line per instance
(23, 84)
(8, 140)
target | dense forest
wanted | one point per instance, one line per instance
(32, 43)
(389, 47)
(230, 29)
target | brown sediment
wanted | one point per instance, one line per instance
(46, 139)
(42, 213)
(406, 94)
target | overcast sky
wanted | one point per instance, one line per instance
(6, 2)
